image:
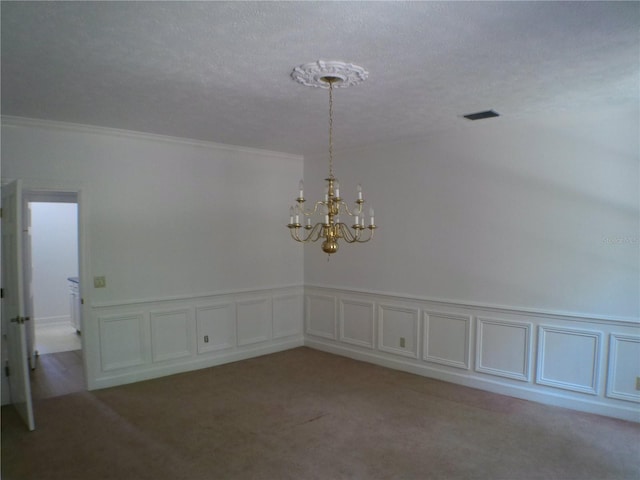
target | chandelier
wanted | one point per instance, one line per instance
(331, 211)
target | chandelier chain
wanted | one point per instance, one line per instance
(331, 129)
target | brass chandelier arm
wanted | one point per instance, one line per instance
(314, 233)
(352, 213)
(310, 213)
(350, 237)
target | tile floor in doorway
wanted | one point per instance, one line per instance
(56, 338)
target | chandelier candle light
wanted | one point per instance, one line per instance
(330, 228)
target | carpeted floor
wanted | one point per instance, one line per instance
(305, 414)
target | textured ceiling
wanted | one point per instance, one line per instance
(219, 71)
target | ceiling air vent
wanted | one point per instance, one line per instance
(481, 115)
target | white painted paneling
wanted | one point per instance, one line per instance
(170, 334)
(321, 316)
(395, 325)
(502, 348)
(500, 342)
(357, 322)
(122, 341)
(287, 315)
(569, 359)
(253, 320)
(624, 367)
(446, 339)
(216, 327)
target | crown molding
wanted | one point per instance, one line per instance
(8, 120)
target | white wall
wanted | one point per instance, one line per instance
(507, 259)
(539, 213)
(178, 228)
(54, 253)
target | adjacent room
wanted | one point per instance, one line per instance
(320, 240)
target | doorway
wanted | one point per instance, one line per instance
(51, 286)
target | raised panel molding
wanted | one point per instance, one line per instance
(624, 367)
(569, 359)
(357, 322)
(503, 348)
(287, 315)
(253, 321)
(215, 327)
(122, 341)
(396, 323)
(320, 315)
(446, 339)
(170, 334)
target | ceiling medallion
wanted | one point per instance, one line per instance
(314, 74)
(336, 222)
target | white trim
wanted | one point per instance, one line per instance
(361, 303)
(517, 390)
(515, 310)
(196, 296)
(53, 321)
(415, 312)
(307, 315)
(593, 387)
(139, 318)
(8, 120)
(241, 342)
(426, 318)
(614, 341)
(154, 316)
(203, 348)
(525, 375)
(155, 371)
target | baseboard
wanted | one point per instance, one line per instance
(53, 321)
(469, 380)
(195, 364)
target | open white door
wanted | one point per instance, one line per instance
(13, 302)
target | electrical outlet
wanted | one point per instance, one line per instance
(637, 383)
(99, 282)
(403, 342)
(206, 339)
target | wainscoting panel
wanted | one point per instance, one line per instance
(253, 320)
(398, 330)
(569, 359)
(287, 315)
(446, 339)
(502, 348)
(122, 341)
(139, 340)
(321, 316)
(553, 358)
(216, 327)
(357, 322)
(170, 334)
(624, 367)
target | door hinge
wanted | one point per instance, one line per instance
(1, 292)
(6, 370)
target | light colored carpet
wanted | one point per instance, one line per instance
(304, 414)
(56, 338)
